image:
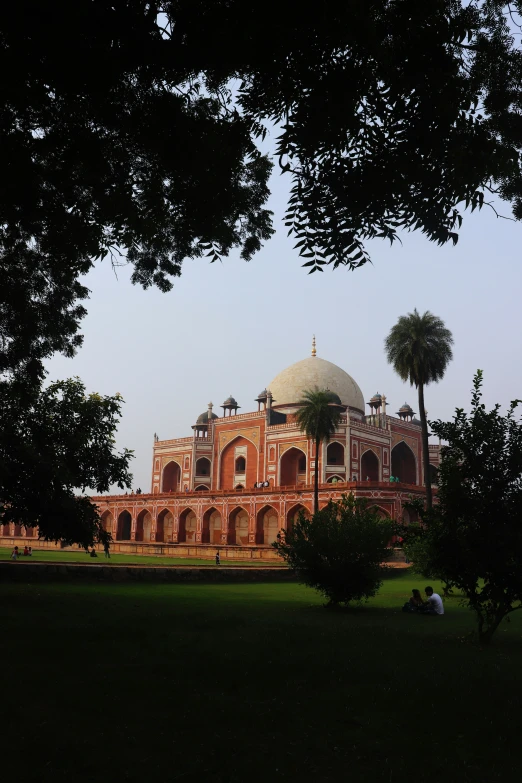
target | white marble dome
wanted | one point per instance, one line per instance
(287, 388)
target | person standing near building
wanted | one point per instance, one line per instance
(106, 549)
(218, 558)
(14, 554)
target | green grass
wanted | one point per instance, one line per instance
(80, 556)
(251, 683)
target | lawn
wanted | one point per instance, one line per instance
(80, 556)
(240, 683)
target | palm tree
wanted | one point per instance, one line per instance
(419, 348)
(318, 416)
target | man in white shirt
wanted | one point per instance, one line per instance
(434, 603)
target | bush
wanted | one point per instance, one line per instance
(339, 551)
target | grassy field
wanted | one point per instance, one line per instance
(239, 683)
(80, 556)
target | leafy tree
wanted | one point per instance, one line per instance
(340, 551)
(55, 442)
(318, 415)
(419, 348)
(132, 127)
(473, 537)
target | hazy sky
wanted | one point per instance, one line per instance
(230, 328)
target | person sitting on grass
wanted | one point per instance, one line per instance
(414, 603)
(93, 553)
(433, 604)
(26, 550)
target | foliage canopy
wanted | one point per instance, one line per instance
(340, 551)
(318, 415)
(419, 349)
(54, 444)
(473, 537)
(132, 127)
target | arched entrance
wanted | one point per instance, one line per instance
(403, 463)
(335, 454)
(267, 525)
(164, 526)
(18, 530)
(238, 527)
(143, 526)
(123, 532)
(293, 514)
(107, 521)
(201, 488)
(238, 464)
(187, 526)
(5, 530)
(211, 530)
(293, 468)
(202, 467)
(369, 466)
(171, 477)
(380, 511)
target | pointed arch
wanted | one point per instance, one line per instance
(201, 488)
(144, 525)
(404, 463)
(267, 525)
(203, 466)
(370, 466)
(211, 529)
(164, 526)
(238, 526)
(124, 526)
(293, 513)
(187, 526)
(335, 453)
(107, 521)
(330, 479)
(239, 447)
(381, 511)
(293, 467)
(171, 477)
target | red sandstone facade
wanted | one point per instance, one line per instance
(205, 488)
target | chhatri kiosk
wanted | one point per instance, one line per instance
(242, 476)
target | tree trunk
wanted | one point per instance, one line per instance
(316, 477)
(425, 449)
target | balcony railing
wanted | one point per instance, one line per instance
(344, 485)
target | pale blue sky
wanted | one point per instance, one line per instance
(230, 328)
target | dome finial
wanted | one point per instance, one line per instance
(314, 352)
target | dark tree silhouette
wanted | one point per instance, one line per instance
(318, 415)
(131, 127)
(419, 348)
